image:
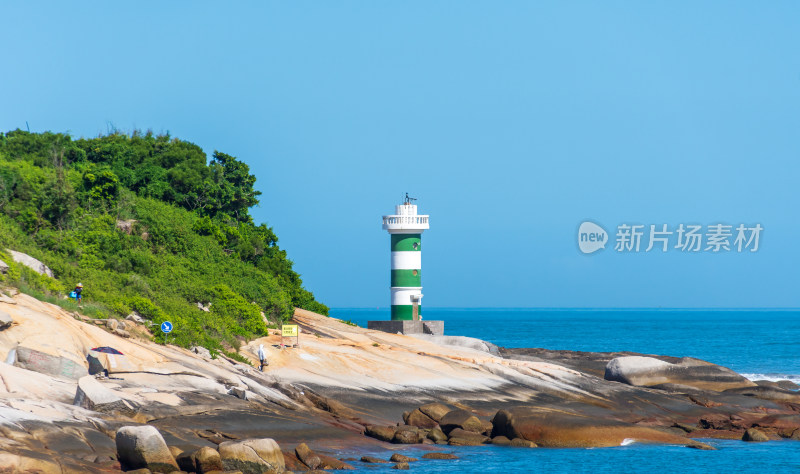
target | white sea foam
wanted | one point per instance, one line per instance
(773, 377)
(627, 442)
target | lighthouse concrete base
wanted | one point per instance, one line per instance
(408, 327)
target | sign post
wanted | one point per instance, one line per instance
(166, 328)
(290, 330)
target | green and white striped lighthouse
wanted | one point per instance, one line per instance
(405, 228)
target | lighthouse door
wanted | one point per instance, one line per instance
(415, 310)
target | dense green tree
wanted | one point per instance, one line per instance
(189, 236)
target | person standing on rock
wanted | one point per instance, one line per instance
(78, 290)
(262, 356)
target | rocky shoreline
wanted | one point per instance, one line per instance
(344, 389)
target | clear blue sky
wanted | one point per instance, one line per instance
(512, 122)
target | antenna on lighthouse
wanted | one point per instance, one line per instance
(409, 199)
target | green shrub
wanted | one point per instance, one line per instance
(193, 239)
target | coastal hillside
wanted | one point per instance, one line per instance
(149, 225)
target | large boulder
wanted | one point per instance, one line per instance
(565, 430)
(140, 447)
(406, 435)
(436, 435)
(307, 456)
(649, 371)
(383, 433)
(435, 411)
(459, 418)
(419, 419)
(92, 395)
(252, 456)
(461, 437)
(202, 461)
(48, 360)
(207, 459)
(30, 262)
(753, 434)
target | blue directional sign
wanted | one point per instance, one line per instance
(166, 327)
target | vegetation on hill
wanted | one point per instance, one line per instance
(148, 224)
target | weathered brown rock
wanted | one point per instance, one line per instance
(436, 435)
(207, 459)
(435, 411)
(401, 466)
(459, 418)
(252, 456)
(439, 456)
(699, 445)
(143, 447)
(487, 427)
(454, 441)
(373, 460)
(307, 456)
(501, 441)
(419, 419)
(753, 434)
(522, 443)
(291, 463)
(717, 434)
(560, 429)
(331, 463)
(330, 405)
(383, 433)
(684, 427)
(397, 457)
(779, 422)
(460, 437)
(716, 422)
(185, 461)
(648, 371)
(406, 436)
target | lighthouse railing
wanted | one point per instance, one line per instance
(388, 220)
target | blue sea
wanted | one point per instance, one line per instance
(760, 344)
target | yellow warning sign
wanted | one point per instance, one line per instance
(289, 330)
